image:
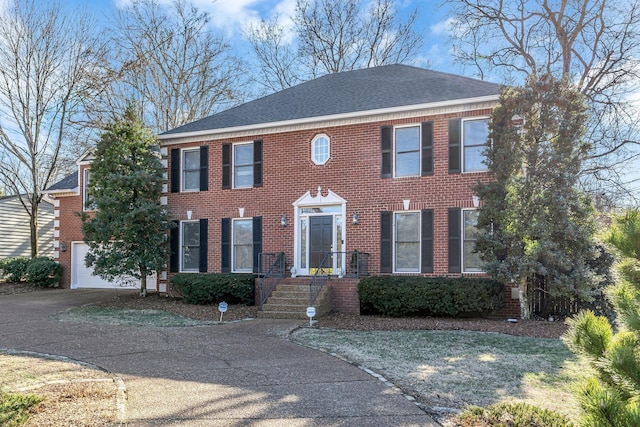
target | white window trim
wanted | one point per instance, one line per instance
(419, 126)
(233, 165)
(85, 191)
(463, 145)
(313, 148)
(182, 170)
(418, 270)
(462, 240)
(182, 269)
(233, 245)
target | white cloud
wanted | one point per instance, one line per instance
(442, 28)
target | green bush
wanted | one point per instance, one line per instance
(511, 414)
(15, 269)
(44, 272)
(14, 408)
(211, 288)
(403, 296)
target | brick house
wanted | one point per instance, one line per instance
(380, 161)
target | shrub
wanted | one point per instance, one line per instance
(211, 288)
(402, 296)
(14, 408)
(511, 414)
(44, 272)
(15, 269)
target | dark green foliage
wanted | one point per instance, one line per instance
(127, 232)
(14, 408)
(15, 269)
(510, 414)
(212, 288)
(534, 220)
(401, 296)
(44, 272)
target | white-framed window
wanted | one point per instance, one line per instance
(471, 262)
(191, 169)
(87, 201)
(243, 165)
(407, 242)
(189, 246)
(242, 232)
(320, 149)
(406, 151)
(475, 134)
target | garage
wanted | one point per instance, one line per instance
(82, 276)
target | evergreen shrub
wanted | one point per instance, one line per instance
(211, 288)
(44, 272)
(404, 296)
(15, 269)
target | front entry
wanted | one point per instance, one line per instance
(320, 239)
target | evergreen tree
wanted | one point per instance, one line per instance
(535, 223)
(127, 232)
(611, 398)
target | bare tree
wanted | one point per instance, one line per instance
(51, 61)
(172, 64)
(331, 36)
(593, 43)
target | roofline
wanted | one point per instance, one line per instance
(308, 120)
(63, 192)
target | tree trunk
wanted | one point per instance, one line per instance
(525, 309)
(143, 284)
(33, 226)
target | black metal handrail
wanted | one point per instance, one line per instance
(319, 278)
(357, 265)
(275, 272)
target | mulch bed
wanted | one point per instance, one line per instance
(131, 300)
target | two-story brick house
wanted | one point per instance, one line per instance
(379, 161)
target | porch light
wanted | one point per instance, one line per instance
(355, 219)
(283, 220)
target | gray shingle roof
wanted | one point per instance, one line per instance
(69, 182)
(348, 92)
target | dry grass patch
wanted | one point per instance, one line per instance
(74, 394)
(453, 369)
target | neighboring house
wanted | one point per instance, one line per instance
(15, 233)
(70, 198)
(379, 160)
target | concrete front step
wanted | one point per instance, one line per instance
(289, 301)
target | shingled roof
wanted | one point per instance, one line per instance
(362, 90)
(69, 182)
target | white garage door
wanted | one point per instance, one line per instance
(82, 276)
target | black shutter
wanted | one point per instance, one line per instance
(174, 246)
(427, 241)
(226, 165)
(454, 145)
(386, 146)
(175, 170)
(455, 245)
(204, 245)
(386, 242)
(257, 242)
(427, 148)
(204, 168)
(257, 163)
(225, 252)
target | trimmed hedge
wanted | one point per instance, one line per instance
(405, 296)
(44, 272)
(15, 269)
(212, 288)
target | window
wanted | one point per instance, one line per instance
(407, 150)
(190, 246)
(242, 165)
(320, 149)
(191, 170)
(407, 242)
(243, 245)
(474, 137)
(471, 261)
(87, 204)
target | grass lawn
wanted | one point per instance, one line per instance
(454, 369)
(128, 317)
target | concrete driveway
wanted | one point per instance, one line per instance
(238, 374)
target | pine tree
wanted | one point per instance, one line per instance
(611, 398)
(535, 223)
(127, 233)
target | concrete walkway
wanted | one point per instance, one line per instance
(238, 374)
